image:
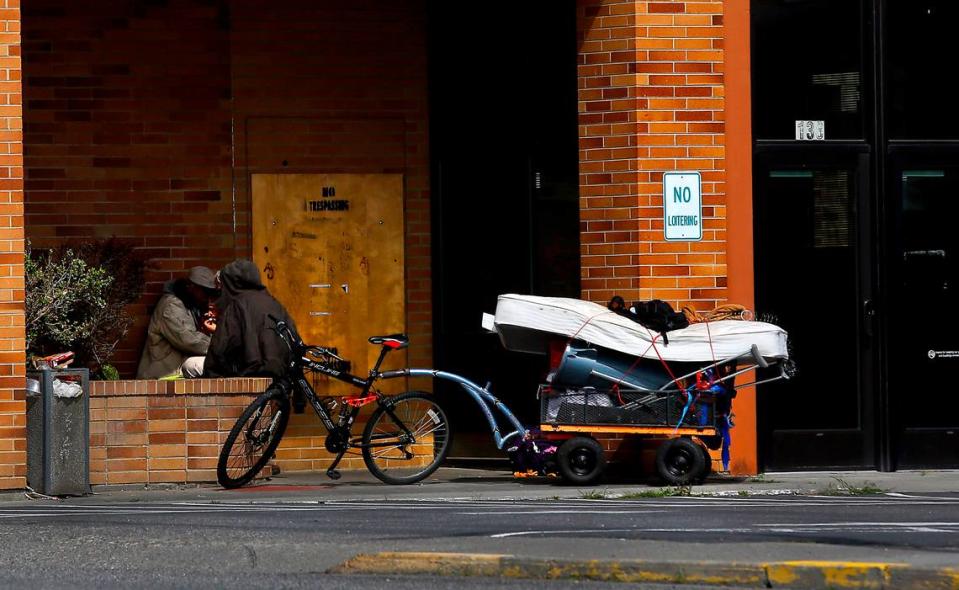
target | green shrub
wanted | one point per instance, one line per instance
(77, 297)
(64, 299)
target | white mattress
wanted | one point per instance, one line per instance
(525, 323)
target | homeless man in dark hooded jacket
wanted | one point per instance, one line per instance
(244, 344)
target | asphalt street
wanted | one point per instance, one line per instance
(292, 544)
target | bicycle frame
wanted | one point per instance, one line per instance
(340, 437)
(481, 395)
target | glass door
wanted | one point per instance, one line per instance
(868, 72)
(812, 256)
(923, 328)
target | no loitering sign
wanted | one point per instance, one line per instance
(682, 206)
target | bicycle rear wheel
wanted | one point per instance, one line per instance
(406, 439)
(253, 439)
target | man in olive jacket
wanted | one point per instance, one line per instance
(178, 336)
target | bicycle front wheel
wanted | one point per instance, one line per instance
(406, 439)
(253, 439)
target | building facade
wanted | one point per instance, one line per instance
(530, 150)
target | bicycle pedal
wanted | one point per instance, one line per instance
(333, 474)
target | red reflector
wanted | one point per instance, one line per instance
(557, 346)
(392, 343)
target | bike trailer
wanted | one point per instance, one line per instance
(612, 376)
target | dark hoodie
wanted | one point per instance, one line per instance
(244, 345)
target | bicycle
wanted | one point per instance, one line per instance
(405, 440)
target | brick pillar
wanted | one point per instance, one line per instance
(12, 358)
(650, 101)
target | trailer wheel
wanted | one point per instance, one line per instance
(680, 461)
(581, 460)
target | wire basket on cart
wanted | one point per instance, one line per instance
(589, 406)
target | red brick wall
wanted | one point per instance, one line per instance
(127, 132)
(653, 99)
(144, 120)
(339, 87)
(172, 432)
(162, 431)
(12, 362)
(650, 101)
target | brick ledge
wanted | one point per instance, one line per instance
(238, 385)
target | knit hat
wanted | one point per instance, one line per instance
(202, 277)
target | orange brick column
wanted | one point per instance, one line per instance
(13, 456)
(651, 101)
(739, 190)
(652, 91)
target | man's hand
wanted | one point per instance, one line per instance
(209, 325)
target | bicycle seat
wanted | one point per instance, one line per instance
(394, 341)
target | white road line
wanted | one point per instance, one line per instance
(591, 513)
(529, 533)
(489, 507)
(142, 511)
(898, 495)
(722, 530)
(864, 530)
(860, 524)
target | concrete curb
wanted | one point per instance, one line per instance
(807, 575)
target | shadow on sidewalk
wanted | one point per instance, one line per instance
(616, 474)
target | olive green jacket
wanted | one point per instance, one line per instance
(171, 338)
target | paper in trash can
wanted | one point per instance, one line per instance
(68, 389)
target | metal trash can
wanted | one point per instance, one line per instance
(58, 432)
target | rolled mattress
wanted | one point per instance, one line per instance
(526, 323)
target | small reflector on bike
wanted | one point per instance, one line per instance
(433, 416)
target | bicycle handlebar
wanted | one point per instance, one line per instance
(295, 344)
(285, 333)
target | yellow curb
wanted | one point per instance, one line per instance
(830, 574)
(808, 575)
(464, 564)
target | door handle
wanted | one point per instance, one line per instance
(868, 316)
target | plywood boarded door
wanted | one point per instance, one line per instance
(330, 248)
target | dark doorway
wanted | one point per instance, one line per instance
(922, 181)
(812, 268)
(873, 378)
(924, 272)
(813, 205)
(503, 142)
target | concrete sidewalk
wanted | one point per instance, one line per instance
(499, 484)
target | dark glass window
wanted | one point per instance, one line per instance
(925, 352)
(807, 66)
(920, 56)
(806, 282)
